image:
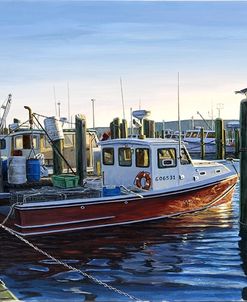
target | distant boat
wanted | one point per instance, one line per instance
(33, 143)
(143, 180)
(193, 140)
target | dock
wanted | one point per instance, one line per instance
(6, 295)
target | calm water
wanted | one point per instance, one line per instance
(192, 258)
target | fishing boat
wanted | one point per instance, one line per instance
(34, 143)
(142, 180)
(193, 140)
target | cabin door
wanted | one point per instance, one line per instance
(165, 169)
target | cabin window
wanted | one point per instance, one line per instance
(125, 157)
(142, 157)
(46, 142)
(194, 134)
(167, 158)
(108, 156)
(184, 157)
(204, 134)
(68, 140)
(35, 142)
(24, 142)
(18, 142)
(2, 144)
(188, 134)
(93, 139)
(211, 135)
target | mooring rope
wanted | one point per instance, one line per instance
(97, 281)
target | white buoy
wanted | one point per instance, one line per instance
(53, 127)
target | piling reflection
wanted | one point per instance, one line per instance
(243, 254)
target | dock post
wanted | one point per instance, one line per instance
(116, 128)
(81, 147)
(57, 159)
(236, 142)
(202, 143)
(224, 141)
(243, 167)
(1, 174)
(145, 127)
(152, 129)
(219, 138)
(112, 130)
(123, 129)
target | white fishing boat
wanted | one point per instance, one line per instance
(142, 180)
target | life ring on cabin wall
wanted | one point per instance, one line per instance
(148, 180)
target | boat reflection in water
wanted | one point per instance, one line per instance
(190, 258)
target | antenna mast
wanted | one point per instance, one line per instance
(68, 102)
(121, 85)
(55, 99)
(179, 121)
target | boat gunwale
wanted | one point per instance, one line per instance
(120, 198)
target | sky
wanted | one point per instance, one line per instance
(52, 49)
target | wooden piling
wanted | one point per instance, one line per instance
(123, 129)
(243, 167)
(1, 173)
(152, 128)
(145, 127)
(116, 128)
(224, 142)
(57, 147)
(81, 147)
(202, 143)
(236, 142)
(219, 138)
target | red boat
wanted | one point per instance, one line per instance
(142, 180)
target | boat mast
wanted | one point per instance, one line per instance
(179, 122)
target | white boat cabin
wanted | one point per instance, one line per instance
(153, 164)
(30, 143)
(195, 136)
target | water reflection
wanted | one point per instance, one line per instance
(191, 258)
(243, 254)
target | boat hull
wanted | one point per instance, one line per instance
(35, 219)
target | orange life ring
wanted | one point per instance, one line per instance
(138, 180)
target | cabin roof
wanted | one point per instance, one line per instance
(141, 142)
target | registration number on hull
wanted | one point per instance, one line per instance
(166, 177)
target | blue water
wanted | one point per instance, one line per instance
(192, 258)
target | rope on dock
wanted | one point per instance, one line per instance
(97, 281)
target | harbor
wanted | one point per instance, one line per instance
(188, 222)
(123, 151)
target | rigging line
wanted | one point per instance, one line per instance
(60, 262)
(55, 148)
(56, 119)
(14, 130)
